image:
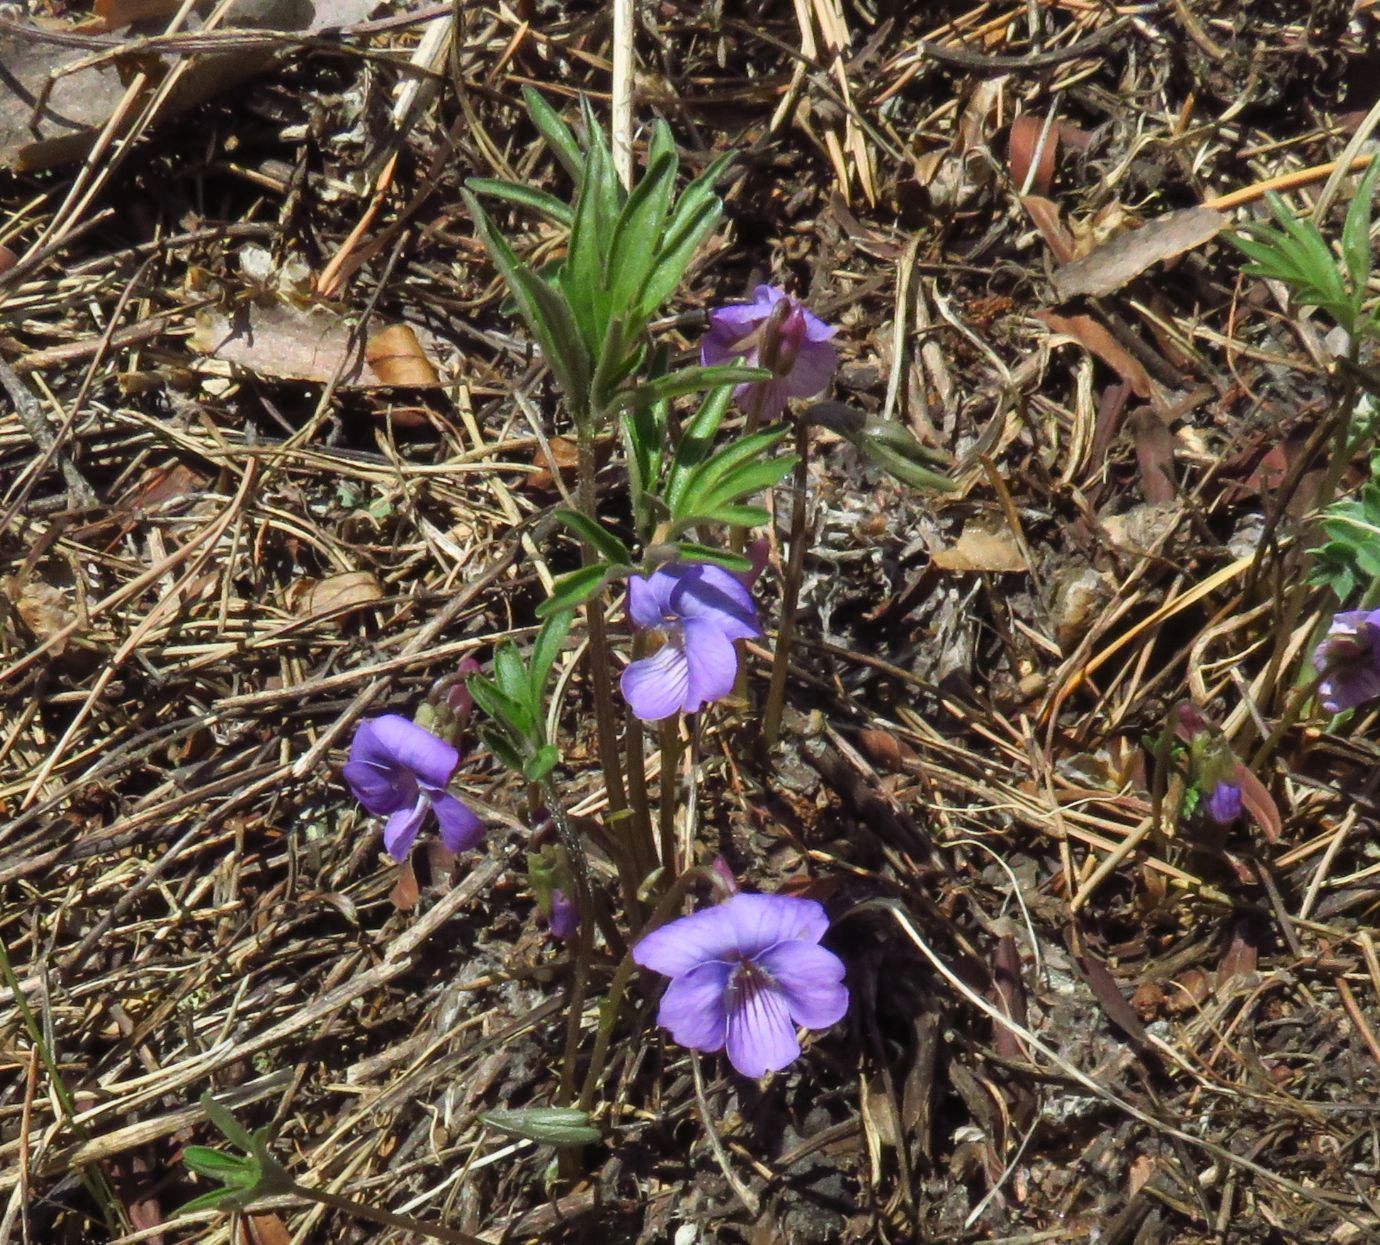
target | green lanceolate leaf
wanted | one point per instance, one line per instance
(610, 192)
(530, 197)
(547, 648)
(507, 711)
(674, 258)
(691, 492)
(501, 746)
(575, 589)
(582, 277)
(690, 380)
(543, 310)
(740, 516)
(637, 234)
(598, 537)
(689, 551)
(697, 440)
(743, 481)
(557, 134)
(510, 675)
(217, 1165)
(553, 1126)
(541, 764)
(1356, 252)
(619, 357)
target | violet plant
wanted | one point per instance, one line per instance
(748, 972)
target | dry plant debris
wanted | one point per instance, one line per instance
(1073, 1016)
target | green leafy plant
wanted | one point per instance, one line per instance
(1294, 251)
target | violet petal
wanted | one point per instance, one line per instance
(701, 590)
(460, 828)
(380, 791)
(649, 598)
(692, 1008)
(810, 978)
(711, 662)
(683, 944)
(400, 830)
(814, 369)
(655, 687)
(762, 921)
(760, 1037)
(431, 759)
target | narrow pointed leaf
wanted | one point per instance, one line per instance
(691, 380)
(575, 589)
(556, 1126)
(1356, 231)
(598, 537)
(558, 135)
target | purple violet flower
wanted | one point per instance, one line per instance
(698, 610)
(1224, 803)
(1349, 661)
(777, 332)
(564, 920)
(743, 975)
(400, 771)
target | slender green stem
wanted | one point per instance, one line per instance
(790, 590)
(643, 846)
(377, 1214)
(605, 716)
(584, 941)
(608, 1017)
(1298, 596)
(666, 813)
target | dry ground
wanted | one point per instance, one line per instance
(225, 541)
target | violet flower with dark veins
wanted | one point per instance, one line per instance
(743, 975)
(697, 610)
(1349, 661)
(776, 332)
(400, 771)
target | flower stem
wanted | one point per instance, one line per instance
(790, 590)
(584, 940)
(608, 1014)
(377, 1214)
(1345, 411)
(666, 813)
(605, 716)
(643, 847)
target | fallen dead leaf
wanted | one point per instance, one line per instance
(86, 95)
(311, 344)
(397, 358)
(885, 750)
(347, 592)
(44, 609)
(1154, 455)
(1108, 267)
(1051, 226)
(1260, 804)
(978, 549)
(1032, 143)
(1089, 334)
